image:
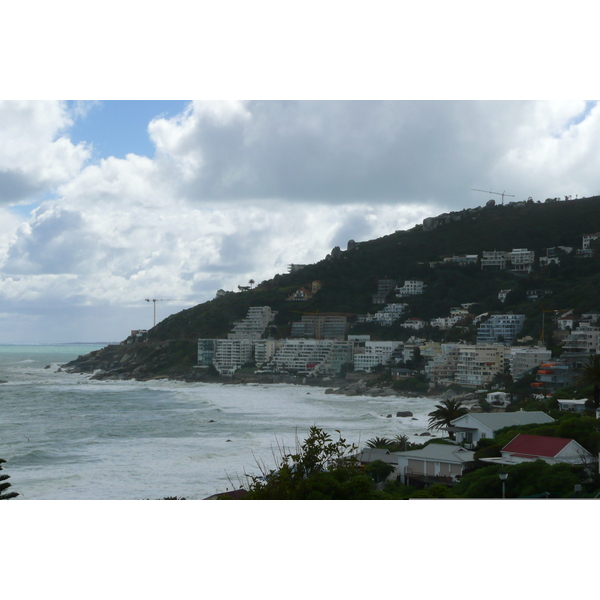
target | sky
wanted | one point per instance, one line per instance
(116, 187)
(106, 203)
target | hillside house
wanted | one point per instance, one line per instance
(414, 323)
(586, 250)
(472, 427)
(553, 255)
(552, 450)
(436, 463)
(572, 405)
(521, 260)
(411, 287)
(494, 260)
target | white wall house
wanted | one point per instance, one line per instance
(552, 450)
(472, 427)
(581, 343)
(436, 463)
(414, 323)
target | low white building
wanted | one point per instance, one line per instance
(552, 450)
(571, 405)
(500, 399)
(414, 323)
(472, 427)
(436, 463)
(502, 295)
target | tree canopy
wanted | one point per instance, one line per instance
(320, 468)
(4, 485)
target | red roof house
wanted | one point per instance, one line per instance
(525, 448)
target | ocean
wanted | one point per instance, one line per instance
(65, 436)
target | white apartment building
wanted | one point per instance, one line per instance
(390, 313)
(311, 357)
(462, 260)
(494, 260)
(521, 259)
(411, 287)
(254, 325)
(445, 322)
(264, 350)
(581, 343)
(226, 355)
(586, 250)
(442, 367)
(477, 365)
(525, 359)
(500, 328)
(373, 354)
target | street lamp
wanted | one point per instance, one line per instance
(503, 477)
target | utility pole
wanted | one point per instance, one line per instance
(497, 194)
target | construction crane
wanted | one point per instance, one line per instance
(497, 194)
(155, 300)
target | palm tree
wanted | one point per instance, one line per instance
(251, 282)
(401, 443)
(379, 442)
(590, 376)
(446, 412)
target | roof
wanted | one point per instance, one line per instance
(496, 421)
(441, 452)
(536, 445)
(371, 454)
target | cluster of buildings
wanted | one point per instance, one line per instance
(445, 463)
(520, 260)
(319, 345)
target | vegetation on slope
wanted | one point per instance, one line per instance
(349, 278)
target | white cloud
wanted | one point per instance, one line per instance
(35, 153)
(240, 190)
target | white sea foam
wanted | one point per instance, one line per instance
(68, 437)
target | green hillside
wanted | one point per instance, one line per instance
(349, 278)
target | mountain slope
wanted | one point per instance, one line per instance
(349, 278)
